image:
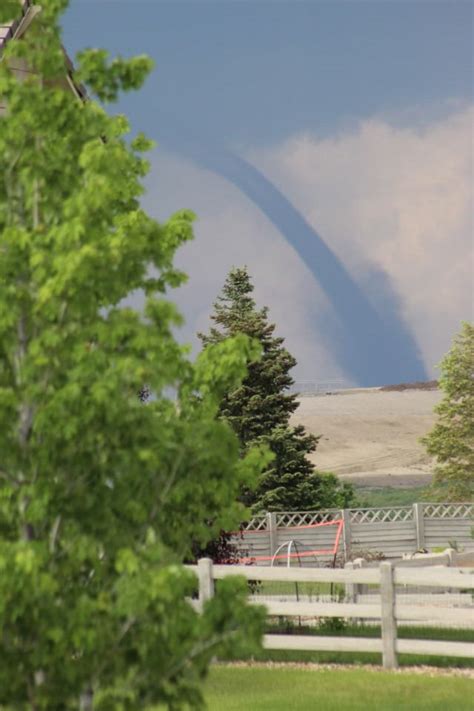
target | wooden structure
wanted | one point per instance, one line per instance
(17, 27)
(16, 30)
(389, 609)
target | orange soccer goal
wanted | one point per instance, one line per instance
(292, 548)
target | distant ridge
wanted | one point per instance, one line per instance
(420, 385)
(339, 387)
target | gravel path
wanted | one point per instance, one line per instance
(310, 666)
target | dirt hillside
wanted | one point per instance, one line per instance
(370, 436)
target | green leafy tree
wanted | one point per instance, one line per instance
(259, 410)
(101, 496)
(451, 440)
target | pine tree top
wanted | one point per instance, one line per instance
(235, 311)
(262, 402)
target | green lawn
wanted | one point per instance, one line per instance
(329, 628)
(338, 628)
(259, 689)
(372, 497)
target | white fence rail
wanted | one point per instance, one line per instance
(423, 595)
(393, 531)
(389, 609)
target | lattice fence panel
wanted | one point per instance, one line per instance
(391, 530)
(306, 518)
(443, 511)
(257, 523)
(383, 515)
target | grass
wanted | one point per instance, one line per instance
(373, 497)
(360, 658)
(260, 689)
(364, 630)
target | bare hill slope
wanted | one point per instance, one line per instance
(370, 436)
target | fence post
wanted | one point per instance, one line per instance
(360, 588)
(346, 517)
(389, 622)
(272, 531)
(206, 580)
(451, 555)
(418, 515)
(350, 587)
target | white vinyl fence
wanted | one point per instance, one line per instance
(389, 609)
(423, 595)
(392, 531)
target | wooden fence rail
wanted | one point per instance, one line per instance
(389, 609)
(448, 558)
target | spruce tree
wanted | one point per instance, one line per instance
(259, 410)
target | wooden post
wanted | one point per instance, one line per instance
(206, 580)
(420, 525)
(389, 622)
(451, 555)
(360, 588)
(350, 587)
(272, 532)
(346, 517)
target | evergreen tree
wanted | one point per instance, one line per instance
(260, 409)
(451, 440)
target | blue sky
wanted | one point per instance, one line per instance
(358, 114)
